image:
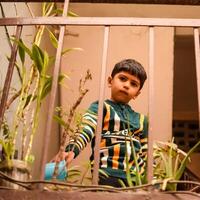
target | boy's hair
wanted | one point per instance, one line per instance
(131, 66)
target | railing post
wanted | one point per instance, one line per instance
(95, 176)
(9, 74)
(151, 106)
(53, 92)
(197, 58)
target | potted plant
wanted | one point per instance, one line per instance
(33, 67)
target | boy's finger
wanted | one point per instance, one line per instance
(57, 158)
(69, 158)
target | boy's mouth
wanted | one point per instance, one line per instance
(123, 92)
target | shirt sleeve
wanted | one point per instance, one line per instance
(144, 138)
(86, 132)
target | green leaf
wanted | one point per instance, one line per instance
(128, 176)
(53, 39)
(18, 71)
(23, 46)
(176, 164)
(185, 160)
(47, 9)
(38, 57)
(71, 49)
(59, 120)
(30, 159)
(45, 63)
(51, 60)
(46, 88)
(71, 171)
(6, 129)
(2, 142)
(47, 84)
(137, 175)
(72, 14)
(88, 178)
(165, 163)
(57, 11)
(22, 53)
(43, 8)
(62, 77)
(28, 100)
(170, 156)
(8, 148)
(122, 183)
(73, 175)
(164, 186)
(103, 173)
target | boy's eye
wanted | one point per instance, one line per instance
(122, 78)
(134, 84)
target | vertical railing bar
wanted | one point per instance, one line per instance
(151, 106)
(53, 92)
(197, 58)
(100, 109)
(9, 74)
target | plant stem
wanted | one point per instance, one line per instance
(25, 129)
(82, 93)
(65, 133)
(35, 117)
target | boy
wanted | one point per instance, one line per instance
(120, 123)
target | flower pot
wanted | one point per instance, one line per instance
(62, 171)
(18, 171)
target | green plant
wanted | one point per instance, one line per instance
(70, 121)
(33, 67)
(134, 177)
(170, 162)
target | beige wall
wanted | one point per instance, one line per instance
(135, 10)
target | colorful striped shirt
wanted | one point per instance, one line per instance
(122, 128)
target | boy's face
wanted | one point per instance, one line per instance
(124, 87)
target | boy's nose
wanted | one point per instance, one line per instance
(126, 85)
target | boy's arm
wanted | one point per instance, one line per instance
(144, 138)
(86, 133)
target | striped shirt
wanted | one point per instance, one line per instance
(122, 128)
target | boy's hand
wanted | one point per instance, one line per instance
(67, 156)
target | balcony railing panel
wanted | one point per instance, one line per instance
(107, 22)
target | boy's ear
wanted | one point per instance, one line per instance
(109, 81)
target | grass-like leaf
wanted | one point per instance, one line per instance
(53, 38)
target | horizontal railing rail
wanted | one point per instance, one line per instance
(174, 2)
(101, 21)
